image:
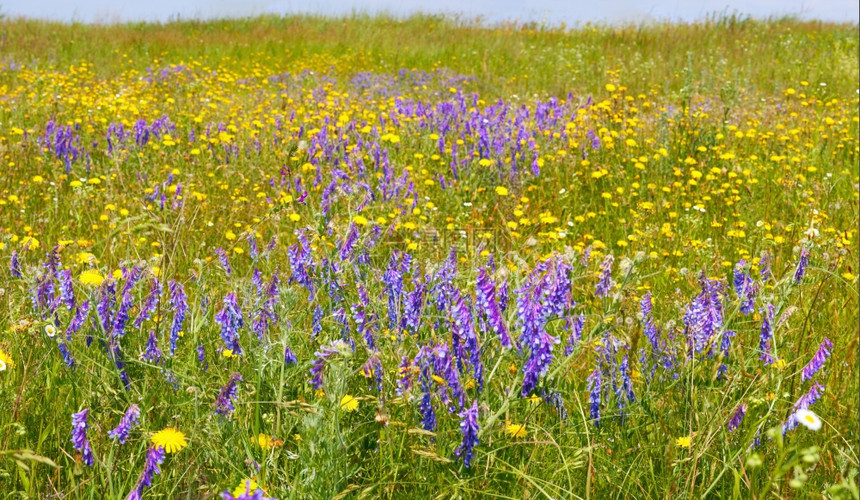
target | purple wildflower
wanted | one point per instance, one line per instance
(252, 245)
(425, 406)
(67, 291)
(801, 266)
(817, 360)
(128, 421)
(121, 317)
(576, 326)
(154, 458)
(152, 353)
(764, 264)
(594, 390)
(485, 300)
(704, 316)
(604, 284)
(201, 357)
(78, 319)
(539, 360)
(225, 261)
(179, 303)
(744, 288)
(766, 335)
(289, 356)
(14, 265)
(67, 356)
(224, 403)
(150, 303)
(803, 403)
(318, 364)
(737, 417)
(230, 318)
(79, 436)
(469, 428)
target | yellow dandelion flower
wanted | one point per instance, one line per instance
(683, 441)
(516, 430)
(172, 440)
(348, 403)
(501, 190)
(91, 277)
(5, 361)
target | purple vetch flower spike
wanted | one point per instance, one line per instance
(80, 441)
(67, 356)
(737, 417)
(604, 283)
(316, 323)
(704, 316)
(154, 458)
(225, 261)
(576, 326)
(107, 294)
(67, 291)
(817, 360)
(318, 365)
(803, 403)
(289, 356)
(121, 318)
(801, 266)
(425, 405)
(485, 300)
(646, 306)
(540, 358)
(152, 353)
(594, 390)
(257, 280)
(224, 403)
(128, 422)
(14, 265)
(78, 320)
(230, 319)
(469, 428)
(252, 244)
(150, 303)
(201, 357)
(766, 335)
(179, 304)
(764, 265)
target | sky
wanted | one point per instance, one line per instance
(571, 12)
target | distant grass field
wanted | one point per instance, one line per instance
(366, 257)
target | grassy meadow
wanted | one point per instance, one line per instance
(368, 257)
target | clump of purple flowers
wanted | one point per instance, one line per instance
(604, 283)
(80, 441)
(801, 266)
(817, 360)
(154, 458)
(737, 417)
(179, 303)
(230, 318)
(224, 403)
(128, 421)
(469, 428)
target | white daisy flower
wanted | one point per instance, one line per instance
(808, 419)
(2, 365)
(50, 330)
